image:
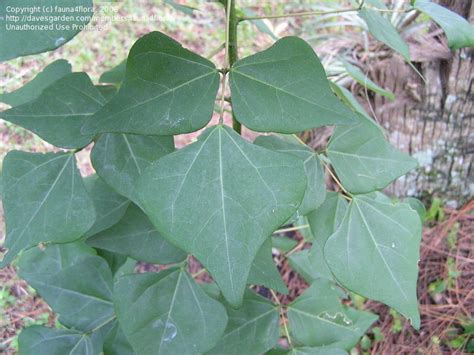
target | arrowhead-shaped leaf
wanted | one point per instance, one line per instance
(375, 253)
(59, 112)
(363, 159)
(383, 30)
(136, 237)
(291, 81)
(316, 187)
(120, 159)
(264, 271)
(318, 318)
(167, 90)
(30, 91)
(20, 42)
(320, 350)
(363, 80)
(44, 201)
(39, 340)
(252, 329)
(167, 313)
(109, 205)
(246, 198)
(325, 220)
(459, 31)
(73, 281)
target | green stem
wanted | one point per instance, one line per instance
(232, 49)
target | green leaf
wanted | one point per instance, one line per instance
(116, 343)
(120, 159)
(44, 201)
(363, 159)
(304, 228)
(285, 244)
(219, 199)
(17, 42)
(289, 78)
(325, 220)
(114, 75)
(252, 329)
(30, 91)
(59, 112)
(39, 340)
(363, 80)
(348, 98)
(317, 318)
(74, 282)
(375, 253)
(188, 10)
(259, 24)
(310, 264)
(136, 237)
(320, 350)
(417, 205)
(315, 187)
(167, 90)
(107, 91)
(383, 30)
(109, 205)
(167, 313)
(264, 271)
(115, 261)
(459, 31)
